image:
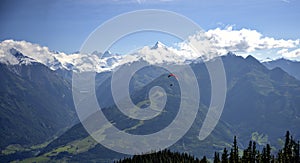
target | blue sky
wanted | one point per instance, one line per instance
(64, 25)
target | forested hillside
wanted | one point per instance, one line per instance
(289, 153)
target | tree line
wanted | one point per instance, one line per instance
(288, 154)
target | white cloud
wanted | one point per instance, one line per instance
(246, 40)
(35, 51)
(157, 54)
(290, 54)
(214, 42)
(282, 51)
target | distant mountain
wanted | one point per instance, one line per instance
(21, 58)
(35, 102)
(291, 67)
(52, 59)
(158, 45)
(261, 104)
(93, 151)
(96, 61)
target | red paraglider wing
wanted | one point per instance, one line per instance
(172, 75)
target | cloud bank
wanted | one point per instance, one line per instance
(247, 41)
(205, 45)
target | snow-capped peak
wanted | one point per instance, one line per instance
(107, 54)
(230, 53)
(20, 57)
(12, 52)
(97, 61)
(29, 52)
(268, 59)
(158, 45)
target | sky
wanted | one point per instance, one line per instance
(271, 28)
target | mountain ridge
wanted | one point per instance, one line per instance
(290, 66)
(261, 105)
(36, 104)
(254, 92)
(96, 61)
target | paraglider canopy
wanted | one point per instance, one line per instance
(170, 75)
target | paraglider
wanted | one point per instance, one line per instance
(172, 75)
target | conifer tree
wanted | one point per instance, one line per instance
(280, 156)
(268, 150)
(297, 152)
(247, 153)
(231, 156)
(225, 156)
(266, 154)
(289, 153)
(253, 153)
(204, 160)
(235, 151)
(217, 158)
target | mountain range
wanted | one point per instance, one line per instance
(107, 61)
(96, 61)
(37, 109)
(291, 67)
